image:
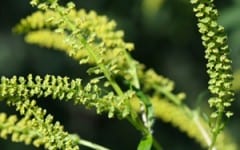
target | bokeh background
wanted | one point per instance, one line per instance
(166, 39)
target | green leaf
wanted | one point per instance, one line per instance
(145, 143)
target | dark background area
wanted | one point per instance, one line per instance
(166, 38)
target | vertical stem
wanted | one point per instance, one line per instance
(203, 131)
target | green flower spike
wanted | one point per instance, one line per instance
(219, 64)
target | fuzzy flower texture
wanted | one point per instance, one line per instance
(217, 54)
(141, 95)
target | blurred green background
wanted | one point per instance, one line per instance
(166, 39)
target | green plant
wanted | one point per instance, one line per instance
(119, 85)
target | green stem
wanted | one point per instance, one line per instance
(132, 70)
(202, 130)
(217, 128)
(133, 119)
(171, 96)
(93, 55)
(138, 125)
(106, 72)
(192, 114)
(156, 145)
(92, 145)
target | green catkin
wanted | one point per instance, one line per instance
(219, 64)
(63, 88)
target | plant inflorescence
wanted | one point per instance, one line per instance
(94, 40)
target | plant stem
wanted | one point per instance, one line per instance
(217, 128)
(203, 131)
(92, 145)
(195, 117)
(156, 145)
(93, 55)
(171, 96)
(133, 119)
(106, 73)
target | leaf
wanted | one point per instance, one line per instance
(145, 143)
